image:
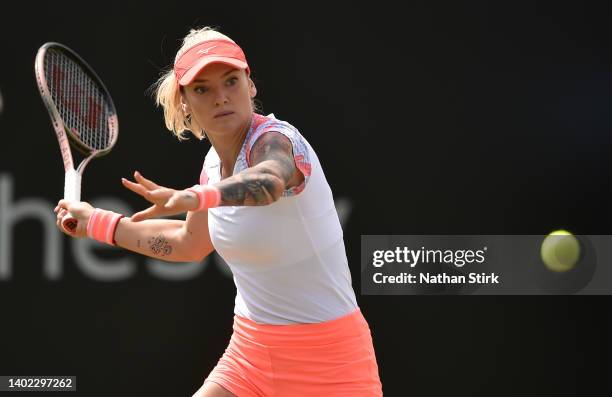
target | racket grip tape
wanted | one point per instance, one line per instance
(72, 185)
(72, 193)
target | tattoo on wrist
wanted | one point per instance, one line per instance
(160, 246)
(188, 195)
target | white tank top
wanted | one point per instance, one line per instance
(288, 258)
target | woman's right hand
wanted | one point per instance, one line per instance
(80, 210)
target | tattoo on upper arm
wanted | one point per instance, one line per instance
(275, 146)
(264, 184)
(160, 246)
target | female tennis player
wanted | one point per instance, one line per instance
(264, 204)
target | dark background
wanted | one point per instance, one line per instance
(429, 119)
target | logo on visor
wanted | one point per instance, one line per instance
(205, 51)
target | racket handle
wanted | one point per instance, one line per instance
(72, 185)
(69, 223)
(72, 192)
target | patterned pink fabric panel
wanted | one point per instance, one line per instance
(203, 177)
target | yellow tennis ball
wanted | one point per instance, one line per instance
(560, 251)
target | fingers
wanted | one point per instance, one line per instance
(150, 212)
(60, 214)
(145, 182)
(170, 203)
(65, 204)
(135, 187)
(159, 194)
(60, 211)
(73, 215)
(144, 187)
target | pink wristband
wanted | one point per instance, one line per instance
(102, 225)
(208, 196)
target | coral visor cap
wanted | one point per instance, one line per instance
(196, 58)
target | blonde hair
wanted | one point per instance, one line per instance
(167, 89)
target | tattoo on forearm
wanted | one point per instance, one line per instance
(160, 246)
(249, 188)
(262, 185)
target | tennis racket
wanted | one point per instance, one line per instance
(81, 110)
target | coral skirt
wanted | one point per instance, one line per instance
(333, 358)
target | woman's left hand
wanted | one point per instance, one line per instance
(165, 201)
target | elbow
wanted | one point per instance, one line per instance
(193, 243)
(193, 250)
(199, 256)
(193, 255)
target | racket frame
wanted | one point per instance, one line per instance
(66, 137)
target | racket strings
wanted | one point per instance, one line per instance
(80, 101)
